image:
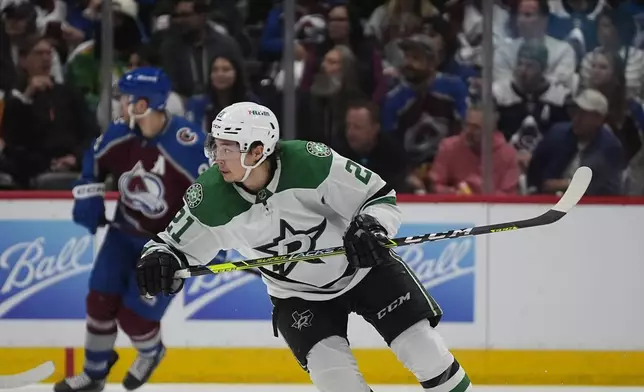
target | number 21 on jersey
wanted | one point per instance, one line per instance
(180, 224)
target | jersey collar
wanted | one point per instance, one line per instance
(263, 194)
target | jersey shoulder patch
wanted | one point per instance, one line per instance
(304, 164)
(214, 201)
(116, 133)
(185, 142)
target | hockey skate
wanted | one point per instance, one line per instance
(142, 369)
(84, 383)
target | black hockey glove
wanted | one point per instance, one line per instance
(364, 242)
(155, 274)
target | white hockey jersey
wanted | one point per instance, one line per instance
(308, 205)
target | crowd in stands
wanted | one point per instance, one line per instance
(394, 85)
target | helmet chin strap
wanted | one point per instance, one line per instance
(134, 117)
(249, 168)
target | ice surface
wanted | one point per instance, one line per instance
(309, 388)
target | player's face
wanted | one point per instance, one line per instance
(227, 156)
(222, 74)
(124, 102)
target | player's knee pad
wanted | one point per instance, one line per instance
(422, 350)
(102, 310)
(333, 367)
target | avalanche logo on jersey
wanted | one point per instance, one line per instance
(144, 191)
(291, 241)
(44, 268)
(186, 137)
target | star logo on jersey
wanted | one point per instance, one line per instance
(318, 149)
(302, 320)
(291, 241)
(194, 195)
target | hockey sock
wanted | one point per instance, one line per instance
(101, 333)
(453, 379)
(145, 334)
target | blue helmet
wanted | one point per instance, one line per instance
(149, 83)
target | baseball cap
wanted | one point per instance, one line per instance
(592, 100)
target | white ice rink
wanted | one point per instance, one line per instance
(308, 388)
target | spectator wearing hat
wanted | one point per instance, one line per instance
(425, 106)
(531, 22)
(529, 104)
(586, 141)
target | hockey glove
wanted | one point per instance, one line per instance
(155, 274)
(364, 242)
(89, 204)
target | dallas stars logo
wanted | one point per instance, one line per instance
(318, 149)
(194, 195)
(290, 241)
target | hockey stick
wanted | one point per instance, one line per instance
(29, 377)
(574, 193)
(149, 235)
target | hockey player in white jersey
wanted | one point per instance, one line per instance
(263, 197)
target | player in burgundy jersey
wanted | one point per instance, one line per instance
(155, 157)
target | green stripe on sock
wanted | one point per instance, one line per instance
(463, 385)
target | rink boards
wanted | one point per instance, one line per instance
(558, 304)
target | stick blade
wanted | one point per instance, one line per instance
(576, 190)
(29, 377)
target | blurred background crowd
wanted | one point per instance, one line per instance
(395, 85)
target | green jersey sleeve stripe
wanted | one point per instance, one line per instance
(382, 200)
(382, 192)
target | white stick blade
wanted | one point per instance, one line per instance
(29, 377)
(576, 190)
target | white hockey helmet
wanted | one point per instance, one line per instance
(245, 123)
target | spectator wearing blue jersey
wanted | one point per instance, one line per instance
(227, 85)
(574, 21)
(425, 106)
(586, 141)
